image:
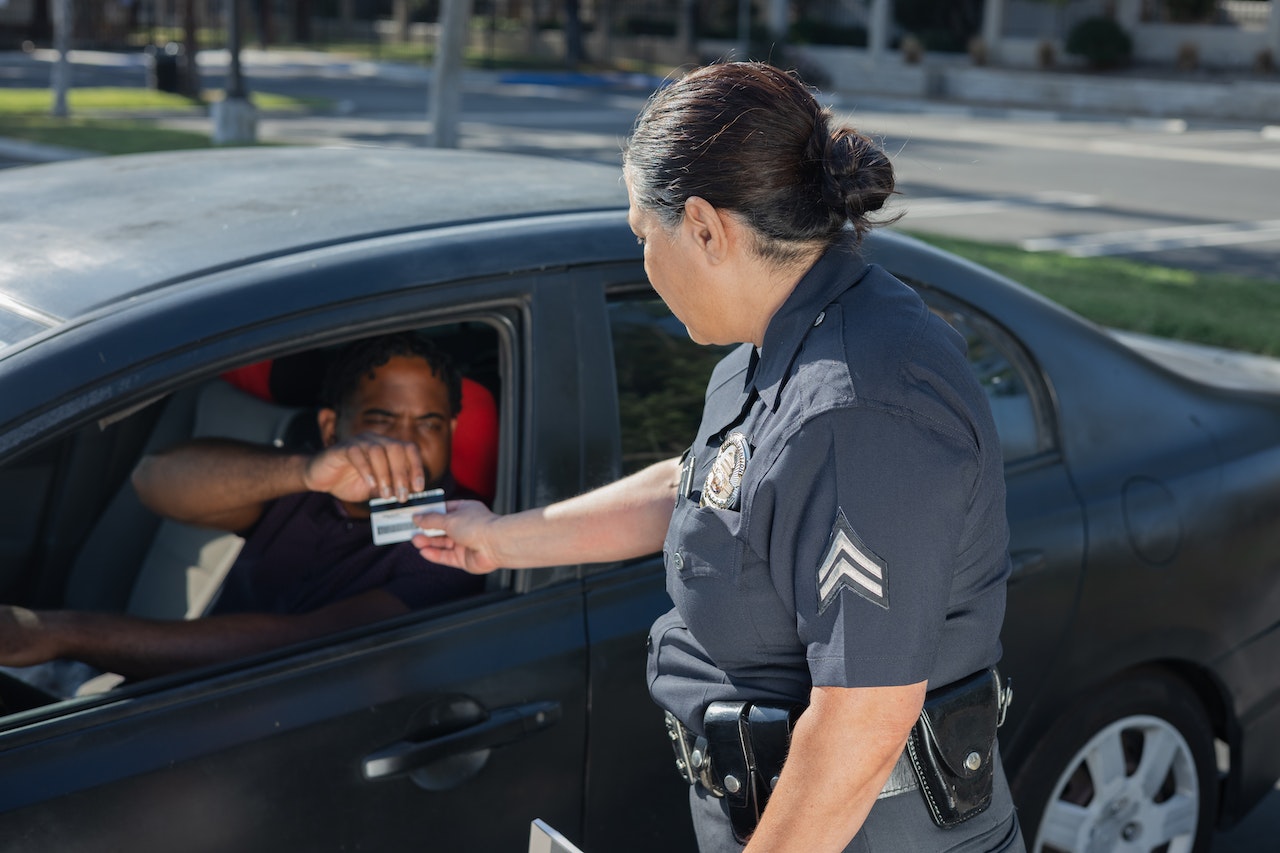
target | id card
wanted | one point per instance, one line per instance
(392, 520)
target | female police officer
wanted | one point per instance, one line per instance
(835, 538)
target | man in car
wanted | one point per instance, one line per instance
(308, 566)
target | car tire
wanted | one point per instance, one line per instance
(1131, 768)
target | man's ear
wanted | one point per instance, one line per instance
(327, 420)
(707, 228)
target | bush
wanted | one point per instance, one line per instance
(941, 40)
(810, 31)
(1190, 11)
(648, 27)
(1101, 41)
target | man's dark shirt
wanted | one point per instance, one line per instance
(307, 552)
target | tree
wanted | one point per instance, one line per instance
(575, 51)
(190, 47)
(940, 25)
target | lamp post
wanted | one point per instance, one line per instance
(235, 121)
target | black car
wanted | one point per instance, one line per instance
(1144, 610)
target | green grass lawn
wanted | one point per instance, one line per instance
(101, 121)
(1221, 310)
(98, 100)
(99, 135)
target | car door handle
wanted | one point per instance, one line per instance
(501, 727)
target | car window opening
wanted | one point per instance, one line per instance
(75, 536)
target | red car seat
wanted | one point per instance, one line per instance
(475, 439)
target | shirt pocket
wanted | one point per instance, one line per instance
(704, 543)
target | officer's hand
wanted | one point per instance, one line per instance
(22, 638)
(468, 541)
(367, 466)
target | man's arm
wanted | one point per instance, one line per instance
(142, 648)
(627, 518)
(226, 484)
(842, 752)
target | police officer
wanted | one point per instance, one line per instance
(835, 538)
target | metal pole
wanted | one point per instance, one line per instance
(878, 31)
(1273, 30)
(744, 30)
(61, 75)
(446, 83)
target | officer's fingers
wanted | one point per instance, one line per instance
(441, 550)
(446, 552)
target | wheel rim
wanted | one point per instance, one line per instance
(1133, 787)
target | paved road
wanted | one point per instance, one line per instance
(1198, 196)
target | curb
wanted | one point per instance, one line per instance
(35, 152)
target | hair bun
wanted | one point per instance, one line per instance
(857, 175)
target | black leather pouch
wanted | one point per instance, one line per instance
(952, 747)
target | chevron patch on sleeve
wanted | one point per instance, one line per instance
(850, 564)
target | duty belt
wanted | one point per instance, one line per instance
(951, 752)
(742, 754)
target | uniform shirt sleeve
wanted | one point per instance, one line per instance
(867, 509)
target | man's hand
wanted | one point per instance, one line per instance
(367, 466)
(23, 640)
(469, 539)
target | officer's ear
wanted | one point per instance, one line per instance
(709, 228)
(327, 420)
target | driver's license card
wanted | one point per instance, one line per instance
(393, 521)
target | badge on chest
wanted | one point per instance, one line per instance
(723, 486)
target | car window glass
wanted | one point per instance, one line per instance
(662, 379)
(1001, 368)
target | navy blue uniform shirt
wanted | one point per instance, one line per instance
(868, 544)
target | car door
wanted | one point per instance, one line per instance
(450, 728)
(1046, 521)
(652, 388)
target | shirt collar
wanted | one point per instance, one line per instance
(800, 312)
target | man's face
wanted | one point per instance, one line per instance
(404, 400)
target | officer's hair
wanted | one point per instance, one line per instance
(752, 139)
(358, 360)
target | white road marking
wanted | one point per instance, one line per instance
(1167, 146)
(1157, 239)
(943, 206)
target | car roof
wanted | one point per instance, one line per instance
(80, 235)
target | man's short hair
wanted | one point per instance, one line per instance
(358, 360)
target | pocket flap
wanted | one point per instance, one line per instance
(960, 720)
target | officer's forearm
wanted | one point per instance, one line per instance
(625, 519)
(219, 483)
(844, 748)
